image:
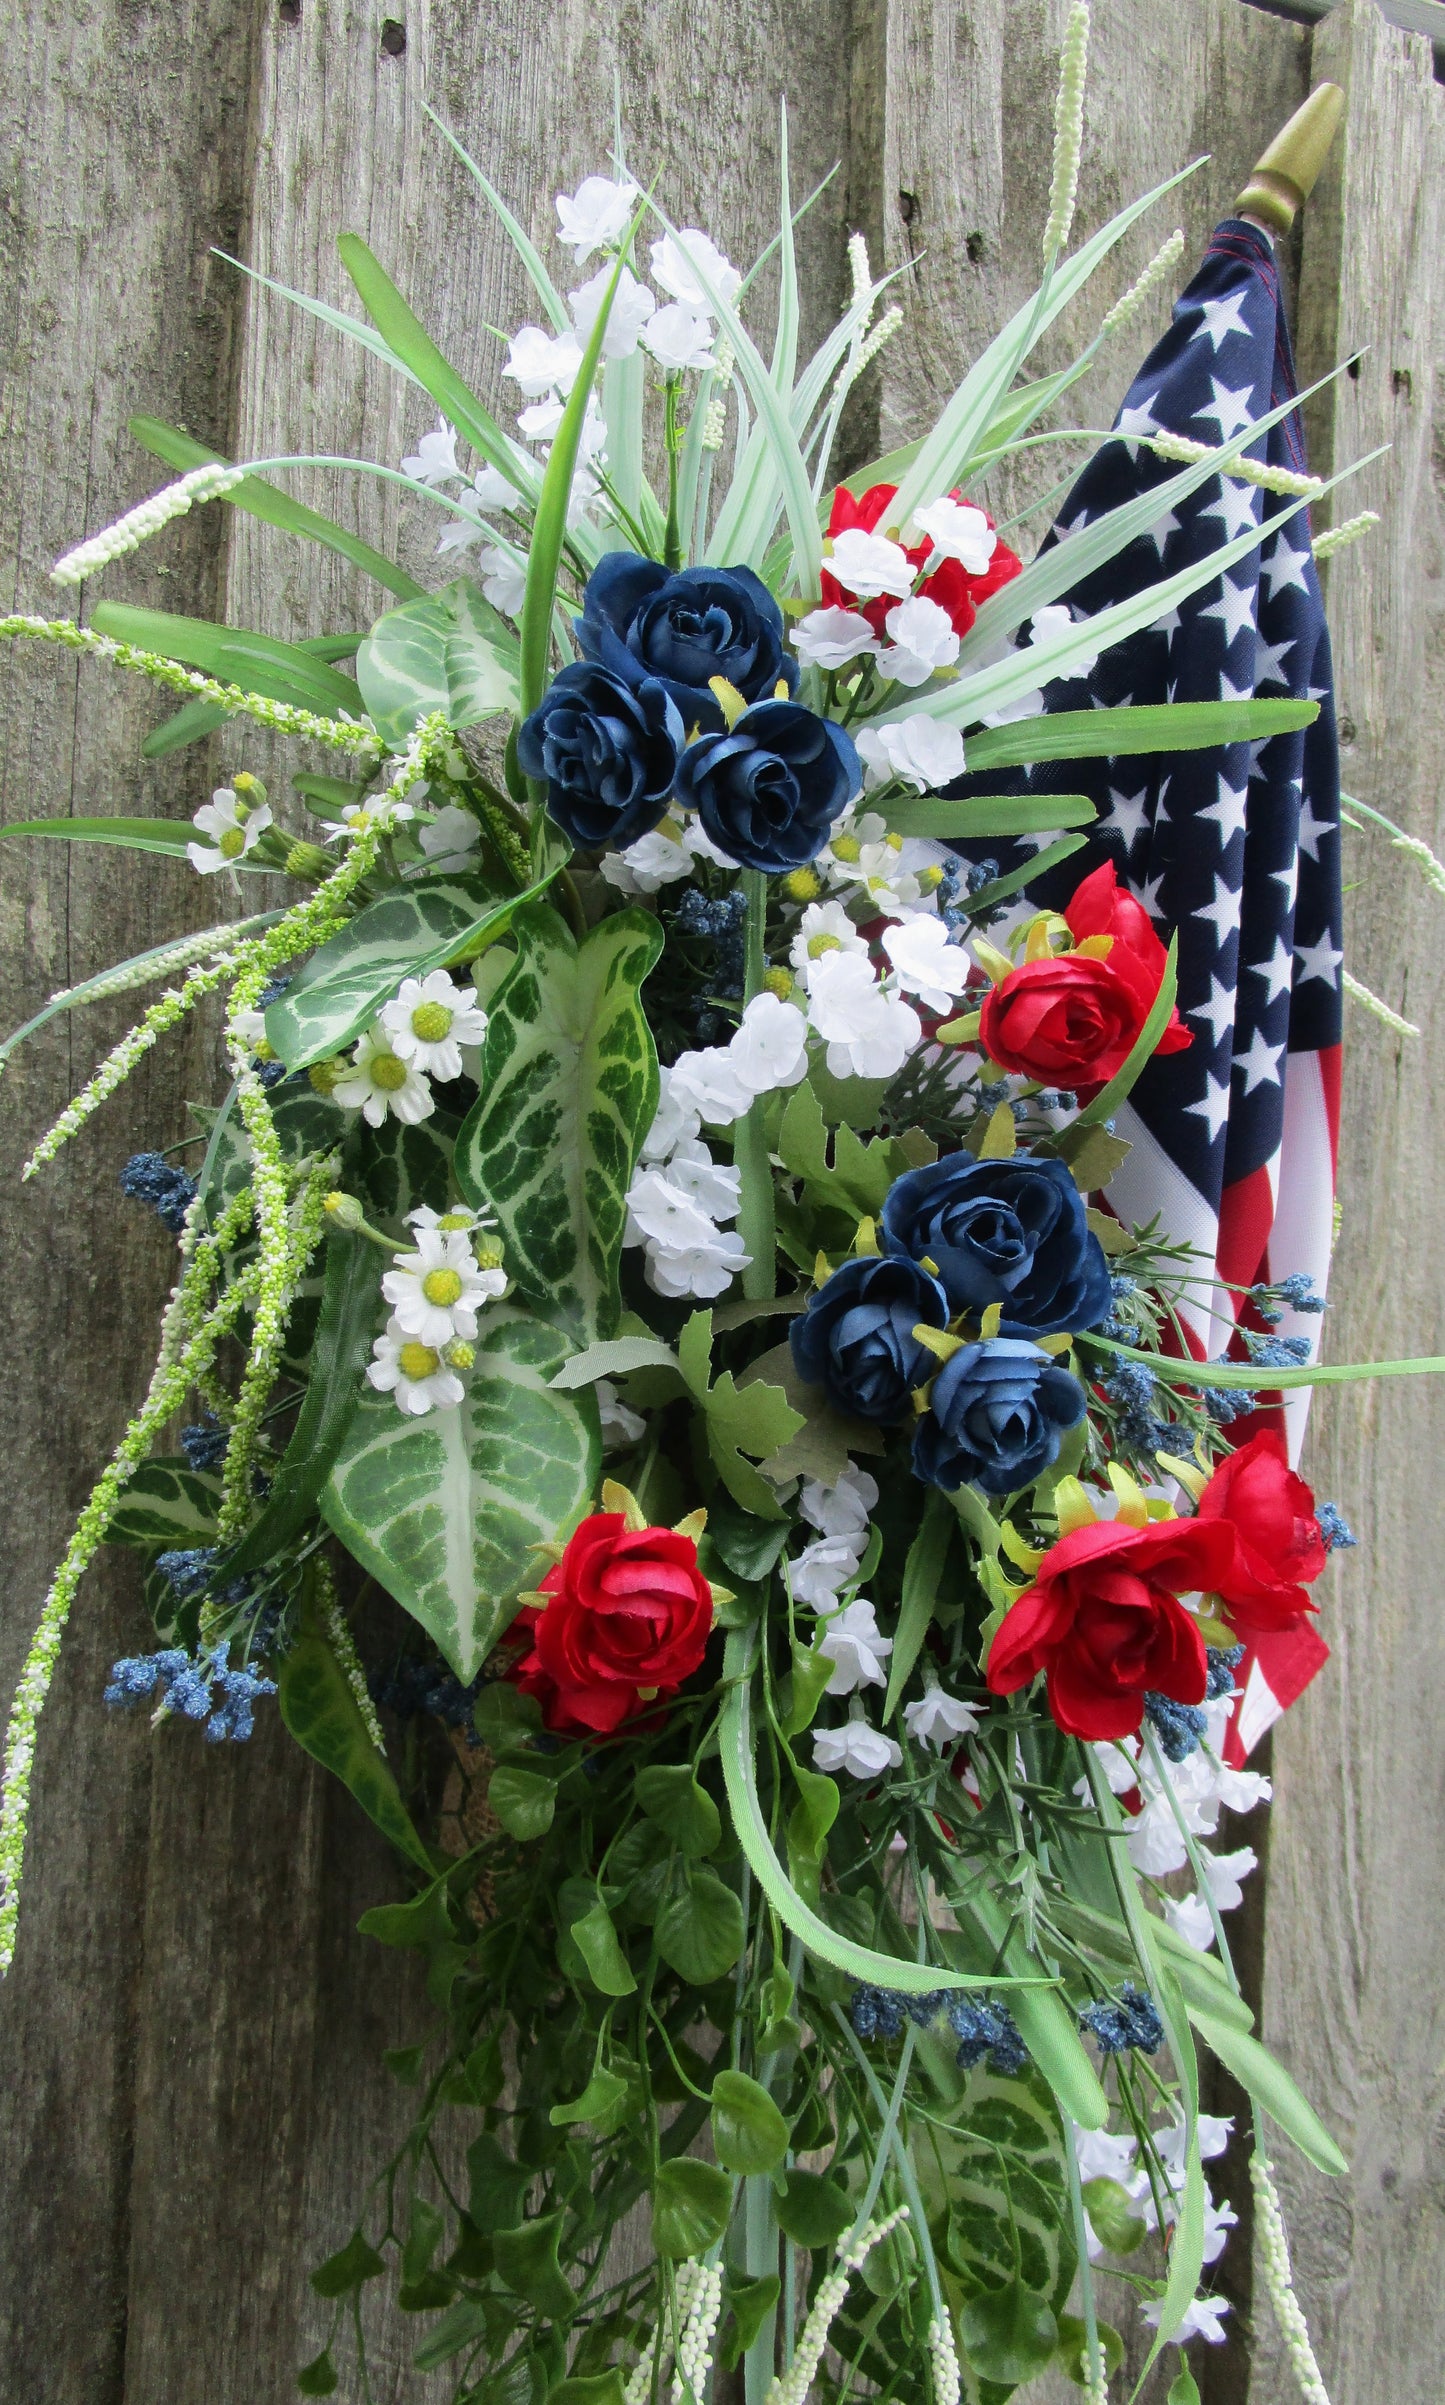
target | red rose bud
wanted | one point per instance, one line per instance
(1270, 1514)
(1104, 1622)
(950, 585)
(627, 1619)
(1072, 1019)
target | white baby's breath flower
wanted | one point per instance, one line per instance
(377, 1081)
(414, 1372)
(937, 1719)
(504, 580)
(450, 839)
(925, 961)
(870, 564)
(863, 1752)
(595, 215)
(632, 306)
(958, 531)
(923, 642)
(868, 1033)
(679, 337)
(830, 638)
(234, 831)
(437, 1289)
(710, 1083)
(917, 751)
(430, 1020)
(542, 363)
(434, 461)
(675, 262)
(770, 1047)
(853, 1644)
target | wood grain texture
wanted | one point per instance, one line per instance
(1357, 1857)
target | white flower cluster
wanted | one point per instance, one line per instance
(435, 1289)
(147, 518)
(418, 1037)
(1203, 1786)
(829, 1561)
(693, 2360)
(889, 874)
(678, 1201)
(1105, 2156)
(664, 854)
(792, 2386)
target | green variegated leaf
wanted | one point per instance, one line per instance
(402, 1168)
(168, 1505)
(1004, 2170)
(450, 651)
(344, 984)
(569, 1089)
(446, 1510)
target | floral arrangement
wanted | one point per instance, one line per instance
(657, 1228)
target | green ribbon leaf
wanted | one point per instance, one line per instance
(922, 1572)
(1122, 1084)
(569, 1089)
(526, 2262)
(235, 655)
(989, 814)
(1177, 726)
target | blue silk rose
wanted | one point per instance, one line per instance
(996, 1417)
(856, 1337)
(1008, 1232)
(606, 751)
(768, 790)
(641, 620)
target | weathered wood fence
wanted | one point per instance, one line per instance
(192, 2100)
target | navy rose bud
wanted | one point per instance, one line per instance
(769, 789)
(606, 751)
(1011, 1232)
(856, 1337)
(638, 620)
(997, 1415)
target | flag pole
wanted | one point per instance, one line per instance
(1286, 174)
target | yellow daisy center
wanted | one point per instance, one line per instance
(387, 1072)
(819, 944)
(233, 843)
(846, 847)
(418, 1361)
(441, 1286)
(802, 885)
(432, 1021)
(452, 1222)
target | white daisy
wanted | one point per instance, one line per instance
(430, 1020)
(414, 1372)
(376, 1080)
(234, 831)
(436, 1291)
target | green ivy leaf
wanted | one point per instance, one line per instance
(595, 2388)
(1072, 2357)
(405, 2063)
(524, 1801)
(446, 1511)
(759, 1420)
(526, 2262)
(350, 2267)
(498, 2185)
(812, 2209)
(569, 1090)
(749, 2133)
(671, 1796)
(450, 651)
(318, 2377)
(324, 1717)
(1008, 2333)
(1183, 2388)
(460, 2326)
(749, 2302)
(405, 934)
(424, 2235)
(605, 2095)
(596, 1941)
(691, 2205)
(812, 1669)
(700, 1929)
(1111, 2210)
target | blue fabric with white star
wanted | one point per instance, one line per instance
(1238, 848)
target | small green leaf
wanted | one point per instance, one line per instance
(691, 2205)
(1111, 2210)
(749, 2302)
(671, 1796)
(596, 1941)
(594, 2388)
(922, 1573)
(424, 1922)
(749, 2133)
(318, 2377)
(1092, 1154)
(350, 2267)
(323, 1715)
(747, 1547)
(1183, 2388)
(1008, 2334)
(460, 2326)
(605, 2093)
(498, 2185)
(405, 2064)
(424, 2235)
(524, 1801)
(700, 1930)
(450, 651)
(505, 1717)
(1272, 2089)
(812, 2209)
(1072, 2357)
(426, 2293)
(526, 2262)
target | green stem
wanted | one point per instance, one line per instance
(672, 536)
(756, 1223)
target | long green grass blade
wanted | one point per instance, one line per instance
(1254, 1377)
(355, 328)
(162, 961)
(235, 655)
(526, 250)
(261, 499)
(1166, 726)
(1142, 1051)
(136, 834)
(986, 814)
(998, 889)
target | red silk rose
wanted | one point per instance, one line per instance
(1104, 1621)
(627, 1619)
(1070, 1019)
(950, 586)
(1278, 1549)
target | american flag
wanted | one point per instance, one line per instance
(1234, 1140)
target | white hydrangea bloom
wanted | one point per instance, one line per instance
(769, 1049)
(620, 1424)
(870, 564)
(958, 531)
(540, 362)
(676, 1122)
(1203, 2318)
(679, 337)
(869, 1033)
(830, 638)
(822, 1570)
(596, 215)
(710, 1083)
(926, 961)
(632, 306)
(714, 1188)
(915, 751)
(841, 1510)
(676, 260)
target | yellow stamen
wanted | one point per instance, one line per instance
(442, 1286)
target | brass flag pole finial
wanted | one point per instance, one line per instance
(1286, 174)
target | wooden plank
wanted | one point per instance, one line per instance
(123, 136)
(1357, 1856)
(1412, 16)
